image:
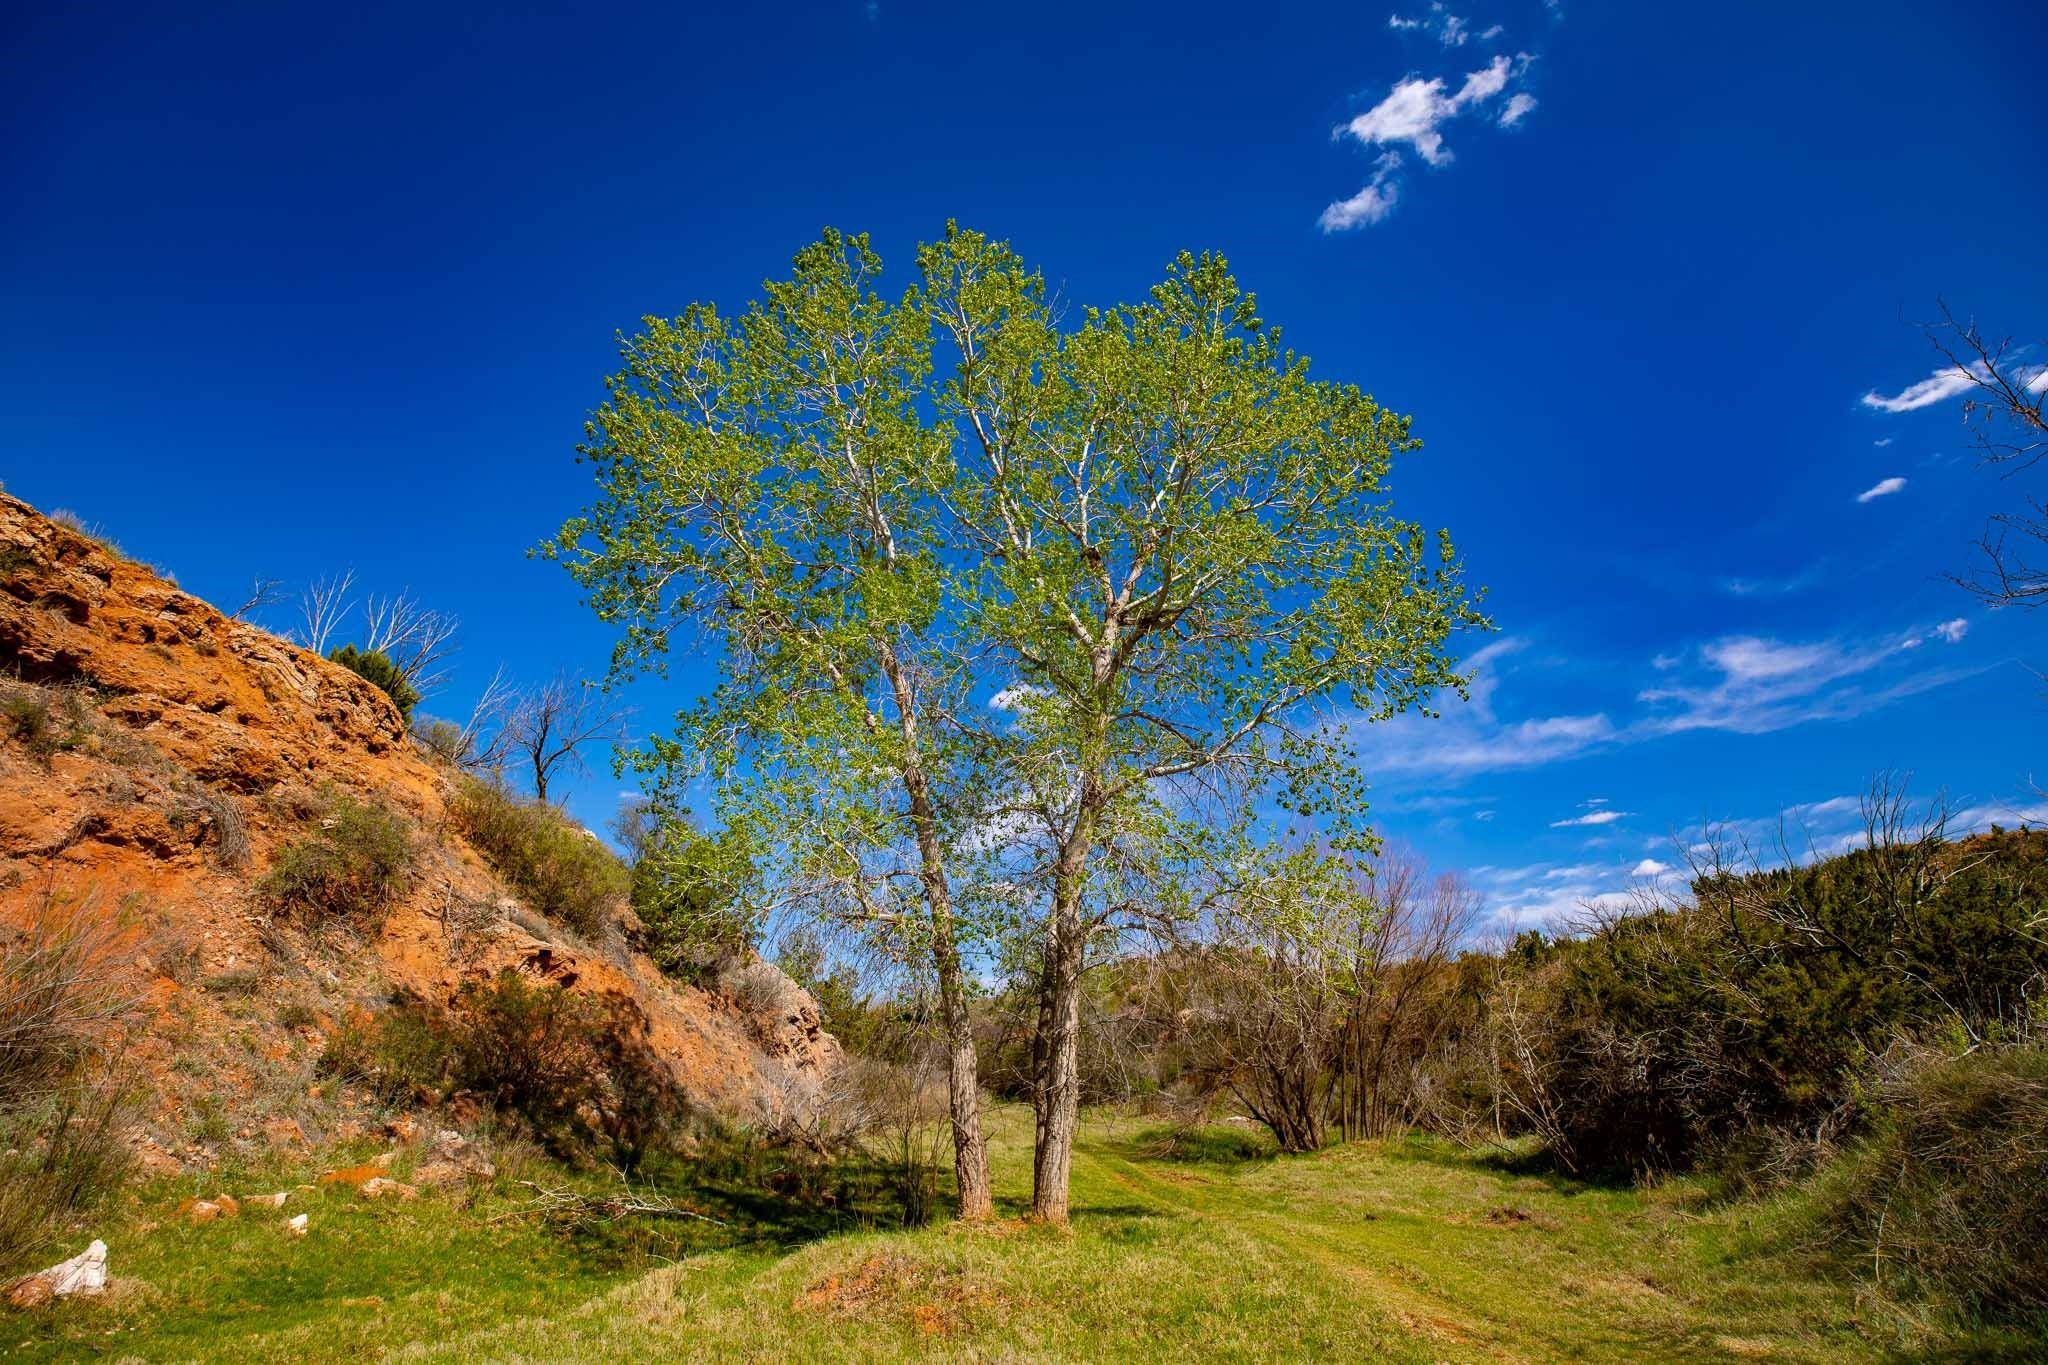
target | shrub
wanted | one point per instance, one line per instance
(1693, 1031)
(574, 1066)
(397, 1054)
(685, 892)
(444, 739)
(61, 1110)
(375, 666)
(1948, 1199)
(353, 864)
(560, 869)
(48, 721)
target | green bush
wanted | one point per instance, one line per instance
(685, 893)
(1685, 1033)
(559, 868)
(575, 1066)
(1948, 1199)
(375, 666)
(356, 861)
(397, 1054)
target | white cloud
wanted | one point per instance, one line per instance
(1882, 441)
(1449, 29)
(1940, 386)
(1881, 489)
(1369, 205)
(1740, 684)
(1772, 587)
(1649, 867)
(1414, 109)
(1592, 817)
(1013, 697)
(1518, 107)
(1468, 738)
(1753, 686)
(1494, 32)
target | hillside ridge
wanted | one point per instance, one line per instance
(161, 754)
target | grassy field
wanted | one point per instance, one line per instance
(1400, 1251)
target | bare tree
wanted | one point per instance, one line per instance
(263, 592)
(417, 641)
(1393, 969)
(550, 727)
(2007, 408)
(323, 606)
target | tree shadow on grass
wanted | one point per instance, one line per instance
(1229, 1148)
(1520, 1161)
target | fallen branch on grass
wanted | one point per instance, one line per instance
(575, 1206)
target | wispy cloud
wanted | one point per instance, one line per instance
(1883, 488)
(1772, 587)
(1592, 817)
(1447, 28)
(1751, 685)
(1739, 684)
(1950, 381)
(1882, 441)
(1371, 204)
(1468, 738)
(1413, 115)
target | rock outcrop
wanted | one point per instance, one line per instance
(156, 755)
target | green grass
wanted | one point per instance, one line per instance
(1399, 1251)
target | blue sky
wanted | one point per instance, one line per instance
(284, 291)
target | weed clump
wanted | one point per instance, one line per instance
(356, 861)
(61, 1107)
(1948, 1199)
(560, 869)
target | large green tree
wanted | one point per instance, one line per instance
(1189, 561)
(771, 483)
(1164, 546)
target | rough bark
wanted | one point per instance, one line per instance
(963, 1072)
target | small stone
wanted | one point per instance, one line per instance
(266, 1201)
(296, 1225)
(382, 1187)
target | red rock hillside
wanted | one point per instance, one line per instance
(154, 758)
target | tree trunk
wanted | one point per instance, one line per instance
(1057, 1095)
(963, 1080)
(963, 1072)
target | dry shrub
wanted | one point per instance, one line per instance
(1948, 1200)
(558, 867)
(48, 721)
(352, 865)
(894, 1113)
(577, 1067)
(61, 1111)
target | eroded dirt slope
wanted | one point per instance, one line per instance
(154, 758)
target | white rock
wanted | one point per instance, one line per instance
(85, 1273)
(296, 1225)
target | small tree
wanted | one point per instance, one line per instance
(551, 726)
(373, 666)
